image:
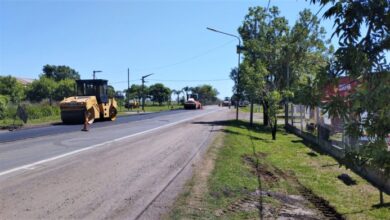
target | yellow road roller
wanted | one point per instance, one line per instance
(90, 102)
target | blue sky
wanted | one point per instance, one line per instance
(167, 38)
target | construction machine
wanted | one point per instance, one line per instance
(90, 102)
(192, 102)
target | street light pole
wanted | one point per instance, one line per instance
(128, 88)
(239, 48)
(96, 71)
(142, 88)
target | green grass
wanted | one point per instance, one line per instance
(30, 122)
(37, 121)
(232, 177)
(256, 108)
(152, 108)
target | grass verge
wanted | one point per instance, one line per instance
(10, 123)
(152, 108)
(295, 181)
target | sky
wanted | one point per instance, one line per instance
(166, 38)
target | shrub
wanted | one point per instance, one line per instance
(3, 106)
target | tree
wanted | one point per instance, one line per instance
(63, 89)
(3, 106)
(177, 92)
(278, 61)
(41, 89)
(206, 94)
(186, 89)
(9, 86)
(135, 92)
(363, 29)
(159, 93)
(110, 91)
(264, 33)
(58, 73)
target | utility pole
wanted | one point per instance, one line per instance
(286, 101)
(96, 71)
(142, 88)
(128, 88)
(239, 49)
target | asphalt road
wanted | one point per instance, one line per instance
(114, 171)
(25, 133)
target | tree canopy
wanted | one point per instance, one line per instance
(363, 30)
(135, 91)
(58, 73)
(206, 93)
(279, 61)
(10, 87)
(159, 93)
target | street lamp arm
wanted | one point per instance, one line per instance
(221, 32)
(143, 77)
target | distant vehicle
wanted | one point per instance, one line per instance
(227, 102)
(132, 104)
(192, 102)
(90, 102)
(243, 103)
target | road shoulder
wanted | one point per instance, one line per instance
(255, 177)
(191, 200)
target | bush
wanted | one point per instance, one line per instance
(3, 106)
(36, 111)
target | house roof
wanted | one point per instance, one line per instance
(24, 81)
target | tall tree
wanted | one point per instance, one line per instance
(59, 73)
(177, 92)
(363, 29)
(206, 94)
(135, 92)
(159, 93)
(41, 89)
(279, 61)
(264, 33)
(186, 89)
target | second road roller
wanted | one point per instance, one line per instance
(90, 102)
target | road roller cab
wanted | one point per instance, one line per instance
(90, 102)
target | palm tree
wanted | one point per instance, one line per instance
(177, 92)
(186, 90)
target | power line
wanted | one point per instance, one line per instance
(176, 80)
(185, 60)
(189, 80)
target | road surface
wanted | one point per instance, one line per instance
(115, 171)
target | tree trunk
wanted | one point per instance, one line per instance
(381, 201)
(265, 113)
(251, 115)
(286, 114)
(274, 128)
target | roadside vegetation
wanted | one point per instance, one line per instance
(255, 175)
(150, 108)
(40, 98)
